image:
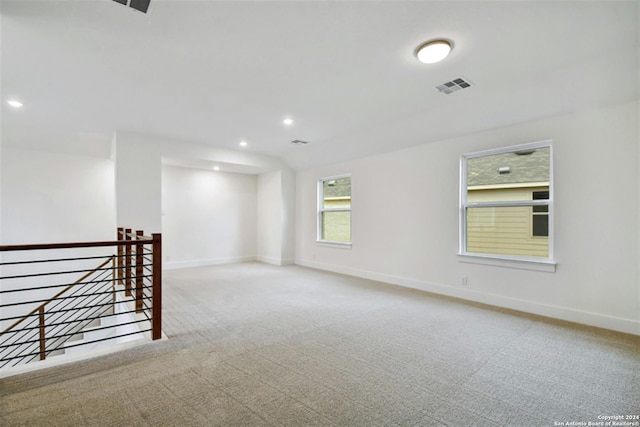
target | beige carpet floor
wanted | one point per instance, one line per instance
(257, 345)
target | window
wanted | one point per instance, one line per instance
(506, 203)
(334, 209)
(540, 218)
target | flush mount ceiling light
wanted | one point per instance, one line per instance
(243, 143)
(288, 121)
(433, 51)
(15, 103)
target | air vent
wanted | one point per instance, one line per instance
(297, 141)
(139, 5)
(453, 86)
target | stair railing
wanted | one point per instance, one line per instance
(33, 331)
(134, 271)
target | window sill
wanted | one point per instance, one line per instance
(544, 265)
(329, 244)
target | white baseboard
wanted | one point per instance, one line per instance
(629, 326)
(268, 260)
(206, 262)
(275, 261)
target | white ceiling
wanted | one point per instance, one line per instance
(217, 72)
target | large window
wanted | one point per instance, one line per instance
(506, 203)
(334, 209)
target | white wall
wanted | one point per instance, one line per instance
(138, 160)
(1, 254)
(288, 183)
(56, 197)
(208, 217)
(0, 194)
(405, 221)
(269, 219)
(276, 217)
(51, 198)
(138, 181)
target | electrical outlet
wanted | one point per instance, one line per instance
(464, 281)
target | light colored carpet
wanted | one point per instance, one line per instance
(257, 345)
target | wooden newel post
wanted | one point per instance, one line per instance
(156, 293)
(139, 271)
(127, 264)
(43, 353)
(120, 255)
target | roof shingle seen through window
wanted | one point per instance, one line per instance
(524, 167)
(340, 187)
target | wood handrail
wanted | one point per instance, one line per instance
(71, 245)
(44, 304)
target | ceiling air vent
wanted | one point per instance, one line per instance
(297, 141)
(140, 5)
(453, 86)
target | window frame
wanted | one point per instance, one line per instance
(321, 210)
(501, 259)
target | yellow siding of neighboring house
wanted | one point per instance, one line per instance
(504, 230)
(336, 226)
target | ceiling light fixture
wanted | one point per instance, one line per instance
(216, 168)
(288, 121)
(433, 51)
(15, 103)
(243, 143)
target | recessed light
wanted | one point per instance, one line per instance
(15, 103)
(288, 121)
(216, 168)
(433, 51)
(243, 143)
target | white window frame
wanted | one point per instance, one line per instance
(514, 261)
(321, 210)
